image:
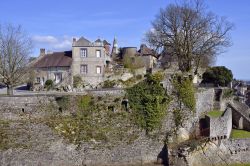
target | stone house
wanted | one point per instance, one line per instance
(149, 56)
(53, 66)
(89, 60)
(86, 59)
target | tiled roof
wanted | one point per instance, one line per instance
(56, 59)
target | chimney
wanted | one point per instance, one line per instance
(42, 51)
(74, 41)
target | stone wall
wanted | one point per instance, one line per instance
(223, 152)
(46, 147)
(204, 101)
(241, 115)
(108, 91)
(220, 127)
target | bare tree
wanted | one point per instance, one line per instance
(15, 47)
(190, 34)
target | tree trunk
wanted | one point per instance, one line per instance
(10, 90)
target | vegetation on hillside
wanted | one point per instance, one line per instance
(94, 121)
(148, 101)
(185, 92)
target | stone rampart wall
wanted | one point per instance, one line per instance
(221, 127)
(204, 101)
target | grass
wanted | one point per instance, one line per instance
(239, 164)
(215, 113)
(238, 134)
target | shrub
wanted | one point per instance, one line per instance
(178, 117)
(148, 100)
(227, 93)
(49, 84)
(109, 84)
(185, 91)
(84, 102)
(77, 81)
(218, 75)
(138, 77)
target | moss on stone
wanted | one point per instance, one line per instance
(239, 134)
(214, 113)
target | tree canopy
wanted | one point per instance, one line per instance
(190, 34)
(218, 75)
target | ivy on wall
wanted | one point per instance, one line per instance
(148, 100)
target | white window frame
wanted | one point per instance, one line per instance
(58, 77)
(98, 55)
(98, 70)
(82, 69)
(84, 52)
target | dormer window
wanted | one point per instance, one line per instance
(98, 53)
(84, 53)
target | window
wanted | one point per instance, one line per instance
(38, 80)
(84, 69)
(58, 78)
(98, 53)
(98, 69)
(84, 53)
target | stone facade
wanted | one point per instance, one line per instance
(51, 73)
(89, 60)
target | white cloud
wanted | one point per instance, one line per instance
(44, 39)
(52, 43)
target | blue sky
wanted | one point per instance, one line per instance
(53, 23)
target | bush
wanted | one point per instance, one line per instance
(108, 84)
(185, 91)
(227, 93)
(148, 100)
(77, 81)
(219, 76)
(49, 84)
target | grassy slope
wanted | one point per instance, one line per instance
(240, 134)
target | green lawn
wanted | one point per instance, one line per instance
(239, 165)
(215, 113)
(240, 134)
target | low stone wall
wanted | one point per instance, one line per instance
(221, 127)
(108, 91)
(25, 101)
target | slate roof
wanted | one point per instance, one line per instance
(82, 42)
(105, 42)
(144, 50)
(56, 59)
